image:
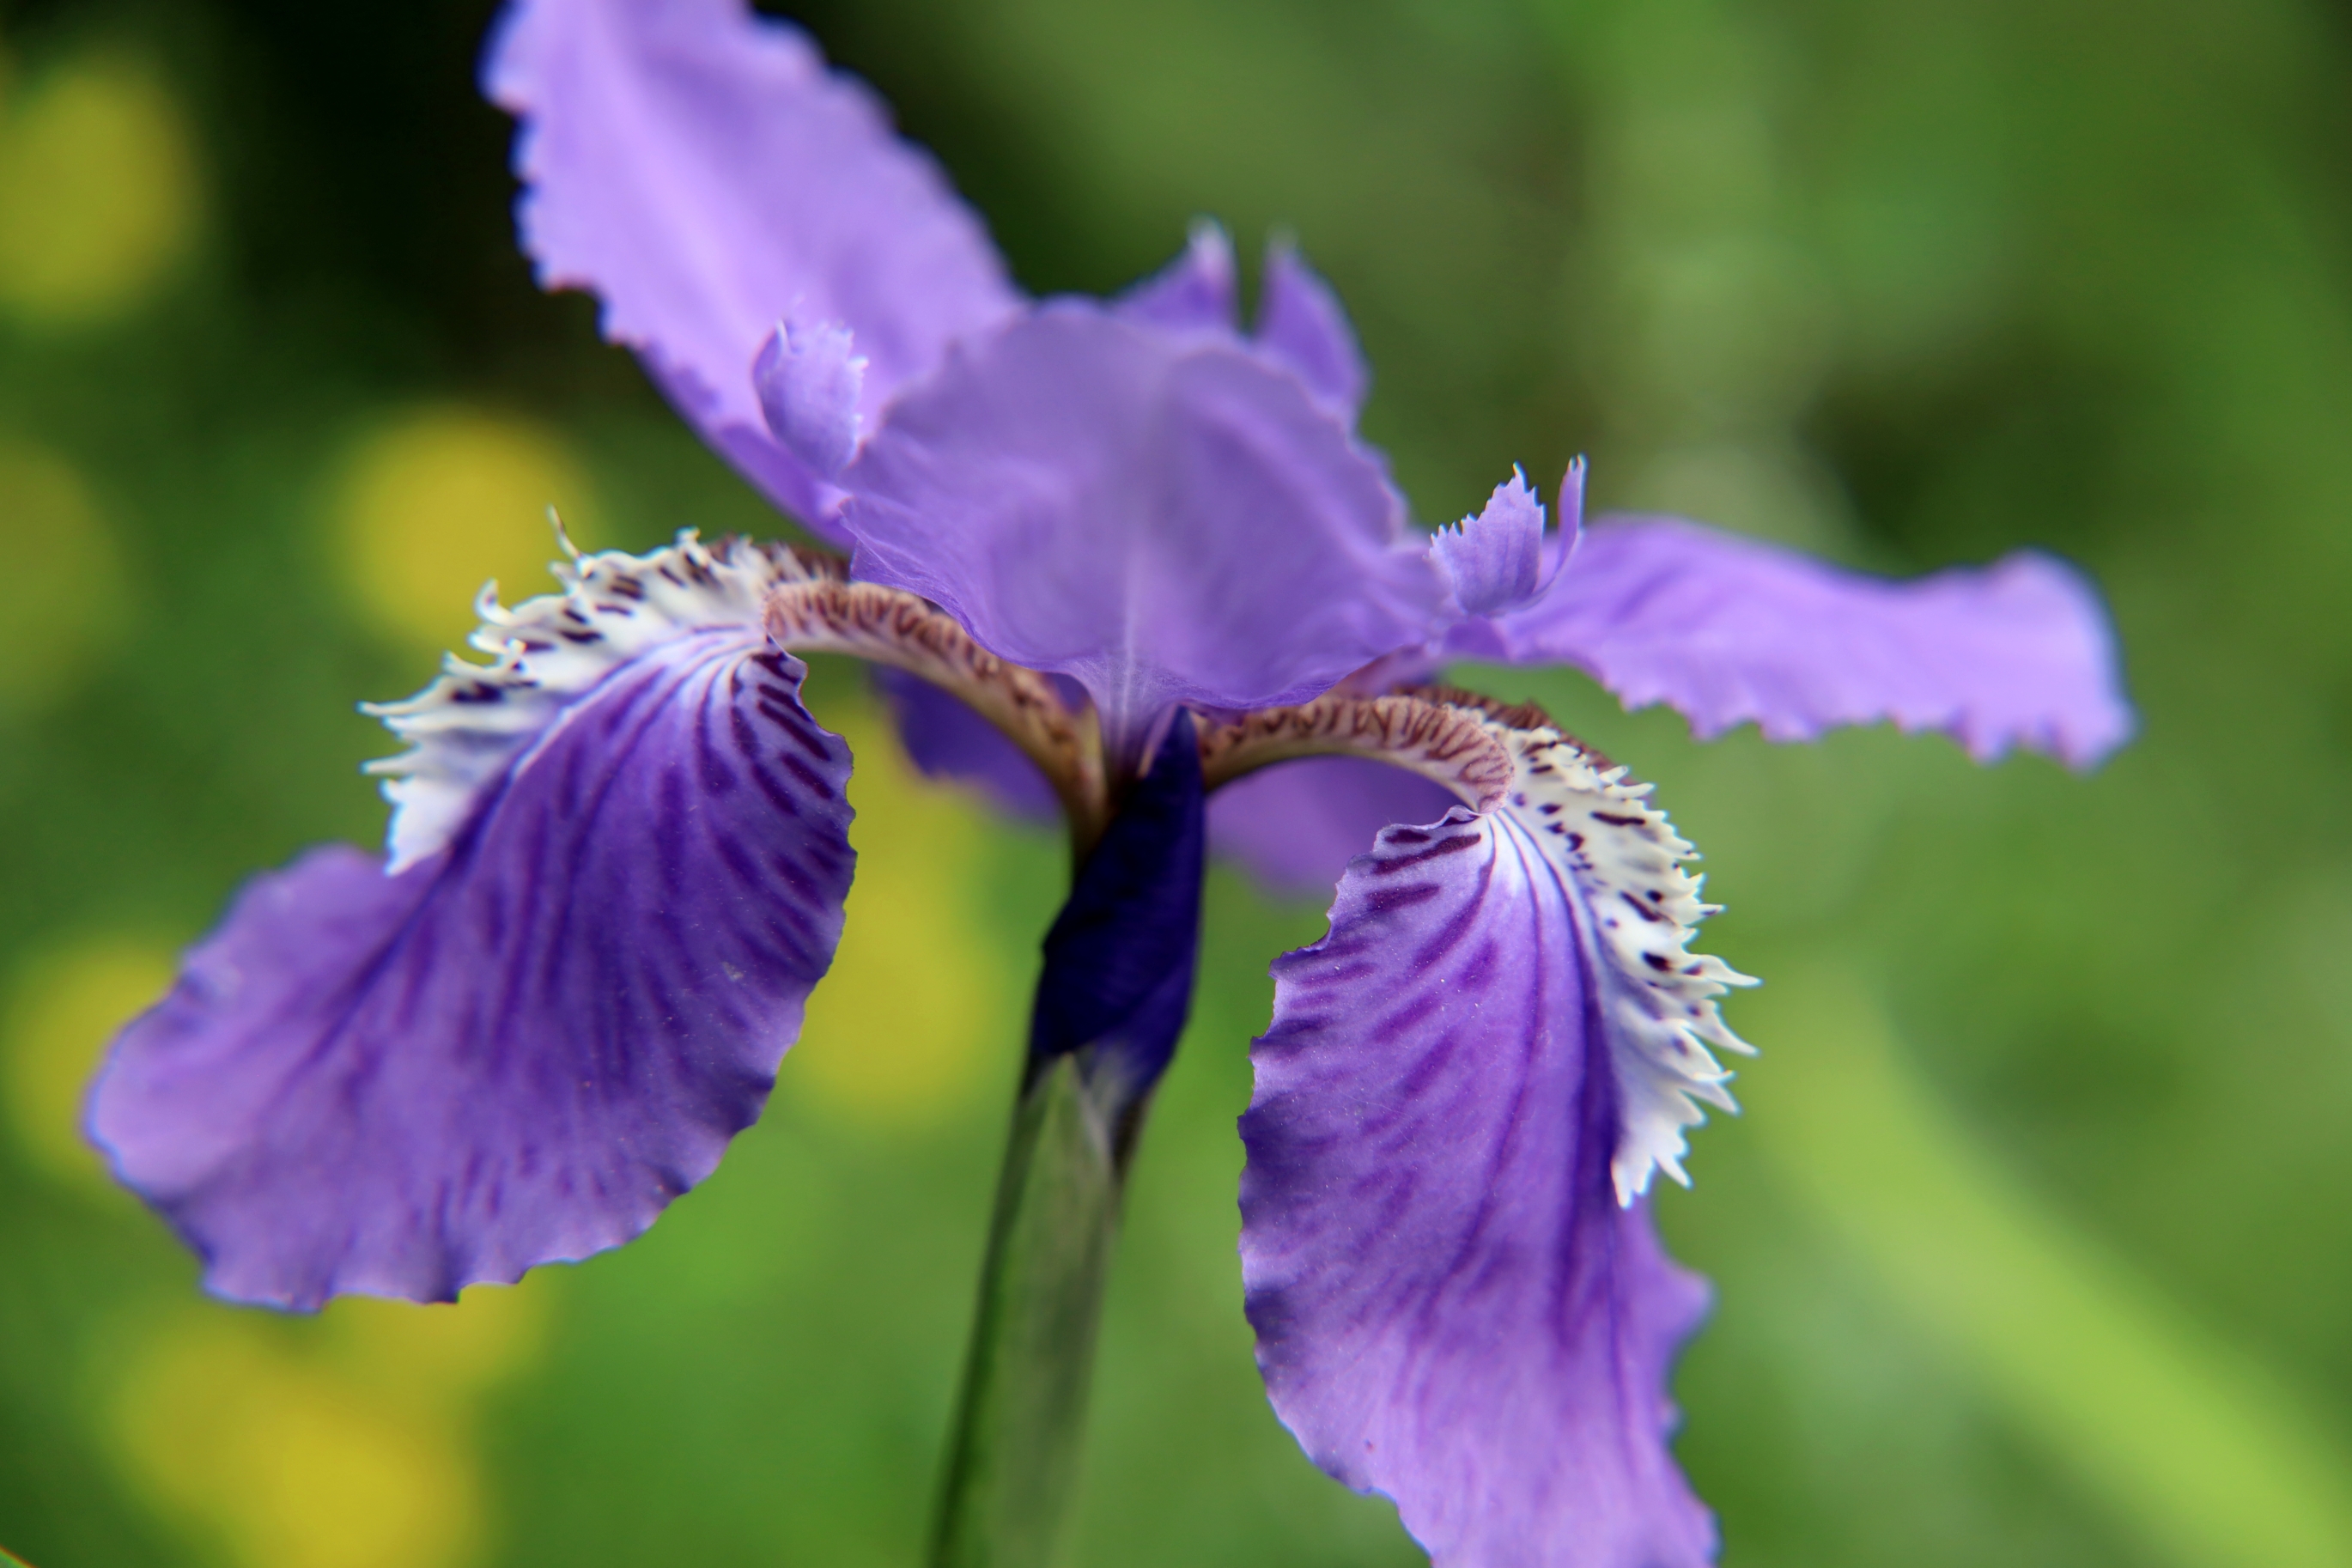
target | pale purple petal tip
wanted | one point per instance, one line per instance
(1571, 523)
(1495, 561)
(1160, 516)
(1452, 1307)
(1730, 630)
(521, 1048)
(1194, 293)
(808, 379)
(1297, 825)
(701, 170)
(1302, 325)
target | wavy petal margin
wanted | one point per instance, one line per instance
(1459, 1297)
(698, 168)
(520, 1048)
(1728, 630)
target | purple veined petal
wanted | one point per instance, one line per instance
(809, 381)
(1729, 631)
(701, 170)
(465, 728)
(1301, 324)
(1162, 517)
(1459, 1298)
(518, 1050)
(1194, 293)
(1295, 826)
(946, 740)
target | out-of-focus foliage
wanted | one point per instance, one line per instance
(2033, 1248)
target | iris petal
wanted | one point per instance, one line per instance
(1494, 560)
(520, 1048)
(1459, 1297)
(1162, 517)
(1300, 323)
(1729, 631)
(1192, 293)
(947, 739)
(1297, 825)
(701, 170)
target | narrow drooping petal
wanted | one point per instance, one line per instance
(1120, 956)
(1459, 1298)
(1194, 293)
(1495, 561)
(521, 1047)
(1297, 825)
(1162, 517)
(1300, 323)
(947, 739)
(701, 171)
(1730, 630)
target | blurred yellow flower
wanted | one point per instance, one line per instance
(62, 1007)
(101, 199)
(431, 501)
(898, 1033)
(64, 592)
(340, 1442)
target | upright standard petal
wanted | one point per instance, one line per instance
(518, 1050)
(1727, 630)
(1459, 1298)
(1160, 516)
(1302, 325)
(701, 170)
(1194, 293)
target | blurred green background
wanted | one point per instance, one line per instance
(2033, 1246)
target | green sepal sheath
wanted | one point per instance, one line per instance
(1014, 1452)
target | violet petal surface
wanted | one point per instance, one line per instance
(1453, 1308)
(1297, 824)
(1728, 630)
(946, 740)
(1494, 560)
(1162, 517)
(1195, 292)
(1301, 324)
(699, 169)
(522, 1047)
(1446, 1247)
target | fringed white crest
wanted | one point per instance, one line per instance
(1657, 999)
(474, 718)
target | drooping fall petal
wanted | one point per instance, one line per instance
(520, 1046)
(1459, 1299)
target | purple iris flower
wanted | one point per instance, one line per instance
(1118, 557)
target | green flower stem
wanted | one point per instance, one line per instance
(1014, 1450)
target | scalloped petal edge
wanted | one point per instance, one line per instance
(548, 652)
(1624, 861)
